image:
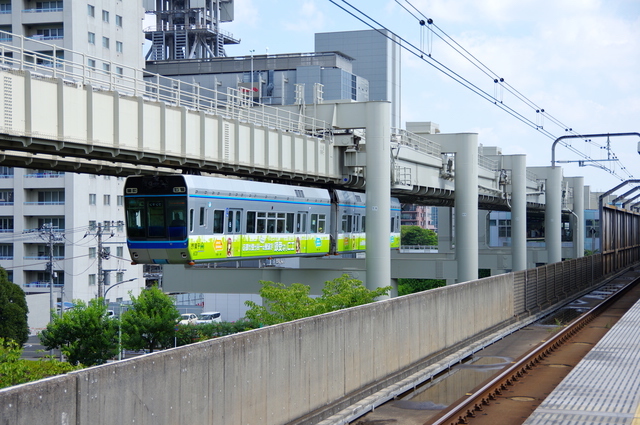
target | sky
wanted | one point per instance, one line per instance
(579, 60)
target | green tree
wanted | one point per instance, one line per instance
(410, 286)
(13, 311)
(416, 235)
(151, 321)
(344, 292)
(283, 304)
(84, 334)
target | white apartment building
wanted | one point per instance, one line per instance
(43, 210)
(107, 30)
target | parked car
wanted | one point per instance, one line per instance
(188, 319)
(210, 317)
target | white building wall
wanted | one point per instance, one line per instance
(25, 19)
(30, 250)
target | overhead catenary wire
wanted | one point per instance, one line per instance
(428, 58)
(540, 112)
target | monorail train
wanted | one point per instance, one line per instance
(187, 219)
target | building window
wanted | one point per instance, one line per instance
(106, 199)
(107, 226)
(92, 199)
(91, 10)
(6, 251)
(56, 223)
(119, 21)
(5, 7)
(120, 200)
(92, 38)
(119, 71)
(105, 42)
(6, 171)
(6, 197)
(92, 252)
(105, 16)
(6, 225)
(120, 226)
(119, 46)
(92, 225)
(49, 5)
(91, 63)
(51, 197)
(49, 33)
(106, 67)
(119, 253)
(119, 277)
(92, 279)
(504, 228)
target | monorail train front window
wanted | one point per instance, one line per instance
(135, 218)
(156, 218)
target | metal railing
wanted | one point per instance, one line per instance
(418, 143)
(129, 81)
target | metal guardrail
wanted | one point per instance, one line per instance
(416, 142)
(126, 80)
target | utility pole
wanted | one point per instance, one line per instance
(47, 233)
(100, 257)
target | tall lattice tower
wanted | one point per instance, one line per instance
(188, 29)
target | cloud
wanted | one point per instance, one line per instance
(309, 18)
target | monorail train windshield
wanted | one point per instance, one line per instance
(162, 217)
(156, 209)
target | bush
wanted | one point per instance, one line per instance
(188, 334)
(14, 370)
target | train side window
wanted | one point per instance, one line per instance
(314, 223)
(321, 223)
(393, 224)
(280, 222)
(343, 223)
(237, 222)
(261, 223)
(191, 219)
(251, 222)
(356, 223)
(289, 223)
(271, 222)
(364, 221)
(230, 222)
(301, 223)
(218, 221)
(203, 216)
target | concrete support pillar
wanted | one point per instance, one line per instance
(378, 177)
(577, 183)
(519, 211)
(553, 215)
(466, 206)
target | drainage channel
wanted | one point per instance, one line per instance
(426, 401)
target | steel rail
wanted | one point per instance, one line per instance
(467, 408)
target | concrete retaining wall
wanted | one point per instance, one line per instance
(271, 375)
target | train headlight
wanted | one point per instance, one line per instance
(183, 254)
(134, 255)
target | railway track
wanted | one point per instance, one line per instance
(513, 394)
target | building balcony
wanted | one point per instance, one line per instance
(40, 209)
(39, 287)
(41, 16)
